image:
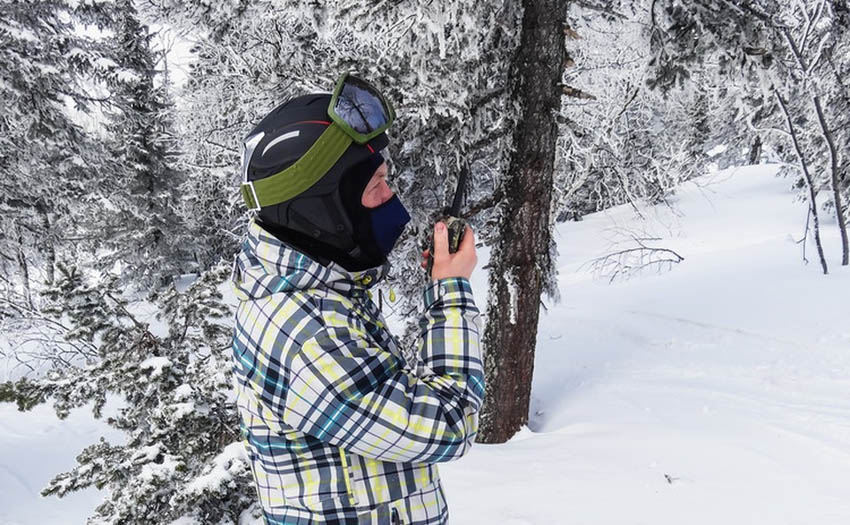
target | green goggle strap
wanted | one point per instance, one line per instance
(299, 177)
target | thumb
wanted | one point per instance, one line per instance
(441, 240)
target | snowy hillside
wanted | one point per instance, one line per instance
(714, 391)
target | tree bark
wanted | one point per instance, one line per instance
(48, 243)
(520, 261)
(755, 151)
(25, 270)
(835, 179)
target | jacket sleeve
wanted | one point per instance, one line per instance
(347, 392)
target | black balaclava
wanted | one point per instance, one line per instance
(375, 229)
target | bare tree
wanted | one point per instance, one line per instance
(810, 184)
(787, 50)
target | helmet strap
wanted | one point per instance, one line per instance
(304, 173)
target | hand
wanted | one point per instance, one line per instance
(458, 264)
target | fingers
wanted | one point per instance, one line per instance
(441, 240)
(450, 263)
(468, 241)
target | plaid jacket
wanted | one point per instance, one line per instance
(339, 428)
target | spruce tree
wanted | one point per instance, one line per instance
(45, 153)
(143, 226)
(182, 457)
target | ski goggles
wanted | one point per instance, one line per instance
(358, 113)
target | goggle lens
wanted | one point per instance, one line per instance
(361, 106)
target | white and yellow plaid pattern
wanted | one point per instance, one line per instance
(338, 426)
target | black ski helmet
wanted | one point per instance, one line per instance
(318, 213)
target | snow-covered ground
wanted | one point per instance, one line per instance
(715, 391)
(34, 448)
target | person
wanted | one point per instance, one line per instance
(339, 427)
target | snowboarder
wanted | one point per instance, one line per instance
(338, 426)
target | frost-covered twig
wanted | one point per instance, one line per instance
(628, 262)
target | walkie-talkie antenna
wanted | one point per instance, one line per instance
(454, 211)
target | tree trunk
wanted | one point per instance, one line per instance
(810, 183)
(836, 186)
(48, 244)
(755, 151)
(520, 261)
(25, 270)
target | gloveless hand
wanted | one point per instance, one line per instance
(458, 264)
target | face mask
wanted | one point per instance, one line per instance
(388, 222)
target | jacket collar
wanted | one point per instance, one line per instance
(265, 265)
